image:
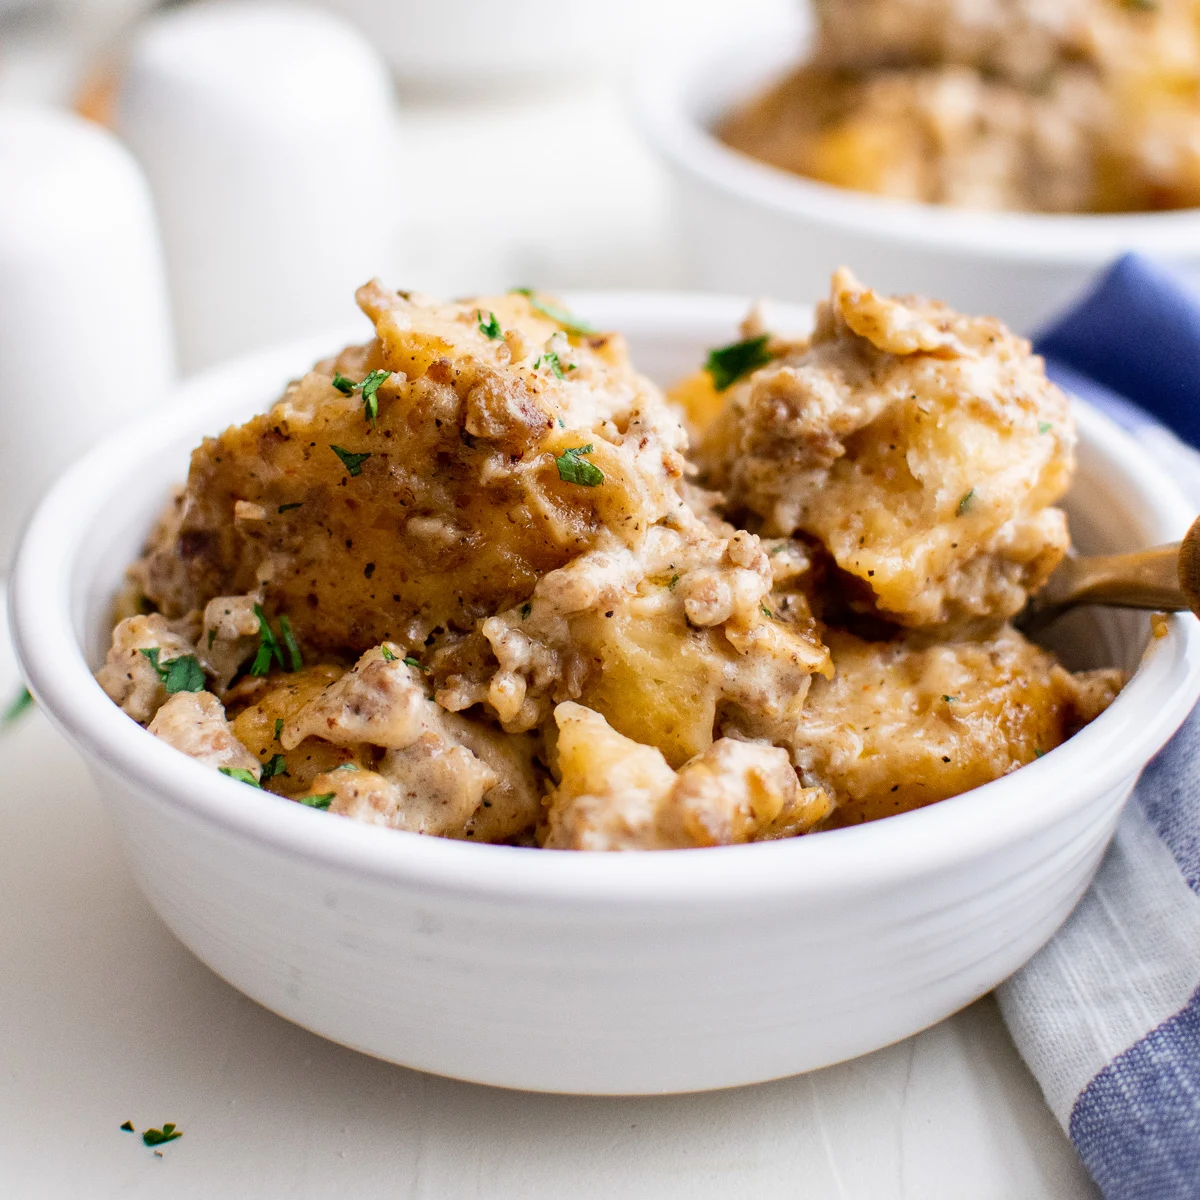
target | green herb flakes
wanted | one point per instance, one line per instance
(965, 502)
(183, 674)
(352, 462)
(160, 1137)
(573, 469)
(322, 802)
(409, 661)
(370, 393)
(128, 1127)
(1039, 753)
(526, 609)
(21, 704)
(1044, 427)
(950, 699)
(570, 323)
(674, 581)
(388, 656)
(766, 612)
(268, 647)
(346, 767)
(278, 727)
(293, 647)
(275, 765)
(288, 507)
(344, 385)
(728, 364)
(553, 362)
(489, 328)
(241, 775)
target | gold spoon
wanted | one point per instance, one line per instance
(1165, 579)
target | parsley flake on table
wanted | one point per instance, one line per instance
(352, 462)
(20, 705)
(159, 1137)
(570, 323)
(728, 364)
(965, 502)
(241, 775)
(183, 674)
(128, 1127)
(572, 468)
(491, 327)
(322, 802)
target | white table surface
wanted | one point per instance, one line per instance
(104, 1017)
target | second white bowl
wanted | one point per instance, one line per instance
(751, 227)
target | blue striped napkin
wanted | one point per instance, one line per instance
(1108, 1015)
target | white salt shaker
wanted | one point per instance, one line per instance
(85, 333)
(267, 132)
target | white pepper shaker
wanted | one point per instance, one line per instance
(267, 131)
(85, 329)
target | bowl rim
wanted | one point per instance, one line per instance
(881, 855)
(670, 92)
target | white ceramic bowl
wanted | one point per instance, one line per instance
(750, 227)
(578, 972)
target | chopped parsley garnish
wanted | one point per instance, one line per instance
(275, 765)
(526, 609)
(288, 507)
(352, 462)
(159, 1137)
(1039, 753)
(674, 581)
(212, 637)
(128, 1127)
(183, 674)
(268, 647)
(570, 323)
(489, 328)
(573, 469)
(278, 727)
(766, 612)
(346, 767)
(369, 387)
(322, 801)
(965, 502)
(949, 699)
(370, 393)
(728, 364)
(554, 363)
(1044, 427)
(289, 640)
(19, 706)
(409, 661)
(241, 775)
(388, 656)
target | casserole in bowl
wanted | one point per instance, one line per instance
(585, 972)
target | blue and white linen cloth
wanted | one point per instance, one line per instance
(1108, 1015)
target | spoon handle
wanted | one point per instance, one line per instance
(1144, 579)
